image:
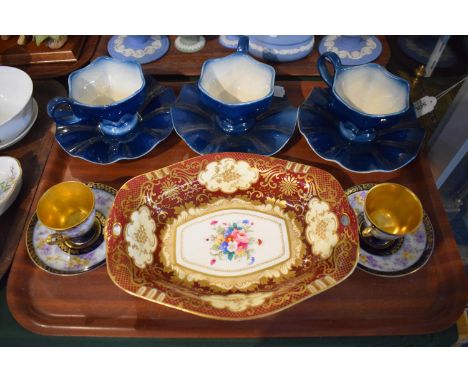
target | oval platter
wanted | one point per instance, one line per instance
(231, 236)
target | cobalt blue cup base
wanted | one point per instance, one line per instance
(196, 125)
(392, 147)
(234, 127)
(351, 132)
(88, 142)
(117, 129)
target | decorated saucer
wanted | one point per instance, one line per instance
(196, 125)
(352, 50)
(142, 49)
(392, 148)
(61, 260)
(86, 141)
(20, 136)
(404, 256)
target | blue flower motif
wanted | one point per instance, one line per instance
(246, 221)
(223, 246)
(252, 260)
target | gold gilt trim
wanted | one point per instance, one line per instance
(309, 288)
(237, 302)
(177, 295)
(358, 187)
(188, 277)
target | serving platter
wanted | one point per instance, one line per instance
(231, 236)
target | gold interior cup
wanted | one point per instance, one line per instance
(393, 209)
(65, 205)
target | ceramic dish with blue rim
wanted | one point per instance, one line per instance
(142, 49)
(197, 126)
(277, 48)
(352, 50)
(88, 142)
(392, 148)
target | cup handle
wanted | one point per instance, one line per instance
(322, 67)
(60, 110)
(55, 238)
(243, 45)
(123, 126)
(367, 232)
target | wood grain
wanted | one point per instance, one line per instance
(427, 301)
(13, 54)
(32, 152)
(176, 63)
(58, 69)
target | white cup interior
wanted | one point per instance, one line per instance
(15, 92)
(369, 90)
(106, 82)
(237, 79)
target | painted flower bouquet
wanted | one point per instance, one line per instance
(232, 241)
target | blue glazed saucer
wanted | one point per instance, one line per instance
(142, 49)
(86, 141)
(352, 50)
(392, 148)
(196, 125)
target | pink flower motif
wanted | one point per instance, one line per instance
(213, 261)
(242, 246)
(241, 237)
(213, 222)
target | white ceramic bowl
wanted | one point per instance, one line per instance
(11, 179)
(16, 102)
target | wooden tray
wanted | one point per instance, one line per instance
(32, 152)
(13, 54)
(427, 301)
(175, 63)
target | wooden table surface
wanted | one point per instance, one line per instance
(426, 301)
(175, 63)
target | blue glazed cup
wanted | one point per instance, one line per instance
(365, 97)
(237, 88)
(108, 92)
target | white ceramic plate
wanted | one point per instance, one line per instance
(5, 144)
